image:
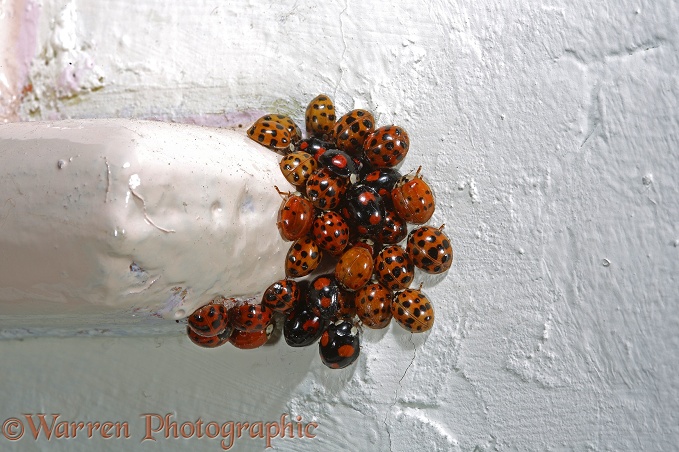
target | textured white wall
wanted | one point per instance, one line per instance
(550, 134)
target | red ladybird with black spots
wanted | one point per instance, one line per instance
(282, 295)
(209, 341)
(295, 216)
(373, 305)
(430, 249)
(386, 146)
(320, 117)
(248, 340)
(412, 310)
(250, 317)
(323, 296)
(352, 129)
(325, 189)
(393, 268)
(209, 320)
(413, 199)
(340, 344)
(270, 133)
(303, 257)
(330, 232)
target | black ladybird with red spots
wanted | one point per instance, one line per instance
(430, 249)
(314, 146)
(303, 327)
(365, 208)
(340, 344)
(209, 320)
(339, 162)
(383, 180)
(323, 296)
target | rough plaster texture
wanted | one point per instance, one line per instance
(550, 134)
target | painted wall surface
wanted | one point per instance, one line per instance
(550, 134)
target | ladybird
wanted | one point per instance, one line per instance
(338, 162)
(340, 344)
(413, 199)
(303, 327)
(394, 229)
(325, 189)
(330, 232)
(412, 310)
(393, 268)
(250, 317)
(383, 180)
(320, 116)
(303, 257)
(295, 217)
(352, 129)
(314, 146)
(386, 146)
(369, 244)
(365, 208)
(209, 341)
(297, 166)
(354, 268)
(430, 249)
(209, 320)
(271, 134)
(282, 295)
(253, 339)
(373, 305)
(347, 308)
(288, 123)
(323, 296)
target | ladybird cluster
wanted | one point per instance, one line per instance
(345, 266)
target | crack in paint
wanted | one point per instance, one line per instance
(344, 51)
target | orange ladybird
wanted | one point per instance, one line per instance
(413, 199)
(354, 268)
(412, 310)
(271, 134)
(320, 117)
(352, 129)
